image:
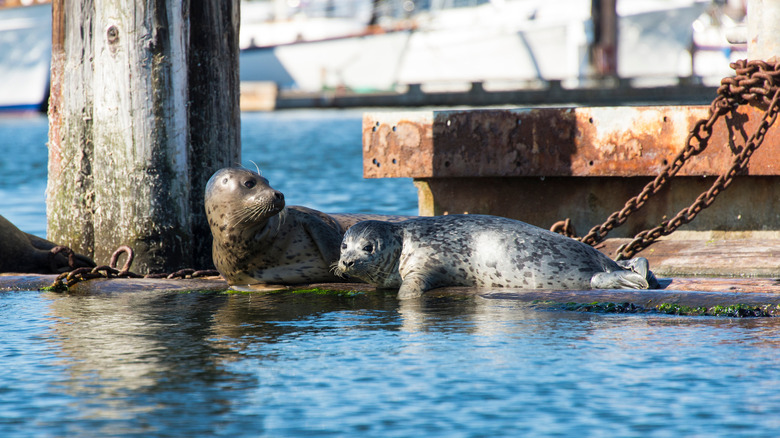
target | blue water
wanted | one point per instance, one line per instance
(313, 157)
(23, 167)
(147, 364)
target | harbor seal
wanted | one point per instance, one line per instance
(481, 251)
(260, 240)
(22, 252)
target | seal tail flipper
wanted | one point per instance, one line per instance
(641, 266)
(618, 280)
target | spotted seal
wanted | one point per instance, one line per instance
(260, 240)
(482, 251)
(26, 253)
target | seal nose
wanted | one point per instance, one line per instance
(278, 199)
(348, 264)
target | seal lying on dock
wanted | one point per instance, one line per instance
(21, 252)
(481, 251)
(257, 240)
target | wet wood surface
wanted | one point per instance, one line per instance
(726, 273)
(692, 292)
(740, 258)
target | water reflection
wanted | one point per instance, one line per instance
(248, 320)
(294, 364)
(134, 355)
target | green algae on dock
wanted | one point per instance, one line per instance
(731, 311)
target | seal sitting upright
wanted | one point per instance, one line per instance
(257, 240)
(482, 251)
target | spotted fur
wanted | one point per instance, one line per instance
(259, 240)
(481, 251)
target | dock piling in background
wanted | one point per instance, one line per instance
(144, 108)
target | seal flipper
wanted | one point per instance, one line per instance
(618, 280)
(641, 266)
(59, 261)
(325, 232)
(413, 286)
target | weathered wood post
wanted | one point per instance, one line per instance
(144, 108)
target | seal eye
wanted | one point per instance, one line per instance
(249, 183)
(368, 248)
(344, 246)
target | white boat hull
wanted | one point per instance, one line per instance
(654, 43)
(25, 58)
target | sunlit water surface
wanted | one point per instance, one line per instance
(195, 364)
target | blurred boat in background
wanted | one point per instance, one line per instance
(380, 46)
(25, 57)
(389, 44)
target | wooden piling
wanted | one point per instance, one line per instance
(144, 108)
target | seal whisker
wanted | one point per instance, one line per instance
(254, 213)
(374, 274)
(257, 168)
(282, 218)
(336, 270)
(233, 220)
(249, 214)
(238, 217)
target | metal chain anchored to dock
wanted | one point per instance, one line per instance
(756, 83)
(68, 279)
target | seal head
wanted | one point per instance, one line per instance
(241, 200)
(371, 251)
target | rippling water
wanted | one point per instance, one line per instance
(151, 364)
(195, 364)
(23, 158)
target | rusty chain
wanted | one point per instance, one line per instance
(68, 279)
(647, 237)
(755, 82)
(564, 227)
(68, 253)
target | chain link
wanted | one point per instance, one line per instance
(68, 279)
(647, 237)
(564, 227)
(755, 82)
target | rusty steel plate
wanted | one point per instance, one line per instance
(607, 141)
(397, 144)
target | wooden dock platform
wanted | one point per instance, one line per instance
(679, 295)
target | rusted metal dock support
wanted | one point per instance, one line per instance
(542, 165)
(144, 108)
